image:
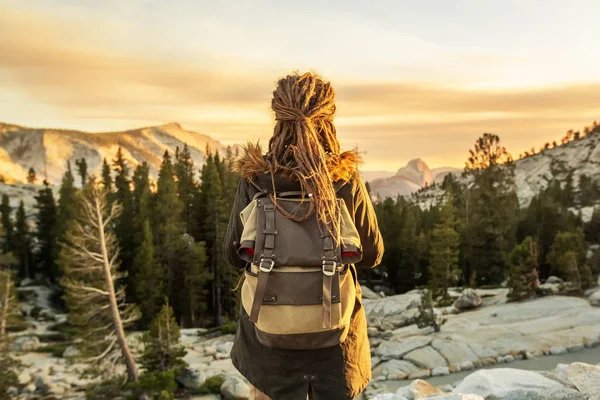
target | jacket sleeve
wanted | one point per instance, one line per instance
(367, 226)
(235, 227)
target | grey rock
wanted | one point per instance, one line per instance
(500, 359)
(396, 369)
(426, 357)
(224, 347)
(561, 394)
(440, 371)
(418, 389)
(388, 396)
(500, 383)
(586, 378)
(558, 350)
(369, 294)
(446, 388)
(468, 299)
(554, 279)
(25, 343)
(423, 373)
(397, 348)
(557, 378)
(71, 352)
(454, 352)
(24, 378)
(235, 388)
(192, 378)
(456, 396)
(509, 358)
(594, 299)
(467, 366)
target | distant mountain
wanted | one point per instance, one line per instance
(372, 175)
(407, 180)
(48, 150)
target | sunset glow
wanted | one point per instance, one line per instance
(413, 78)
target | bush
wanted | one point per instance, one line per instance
(159, 385)
(68, 331)
(35, 312)
(57, 349)
(212, 385)
(108, 390)
(229, 328)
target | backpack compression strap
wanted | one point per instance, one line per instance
(267, 259)
(329, 270)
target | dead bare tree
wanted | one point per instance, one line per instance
(8, 296)
(95, 300)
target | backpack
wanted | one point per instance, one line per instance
(298, 291)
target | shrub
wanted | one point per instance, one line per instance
(158, 385)
(212, 385)
(229, 328)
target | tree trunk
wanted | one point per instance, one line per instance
(118, 325)
(5, 305)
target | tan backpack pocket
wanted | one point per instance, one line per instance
(291, 314)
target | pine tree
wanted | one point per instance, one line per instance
(66, 203)
(90, 264)
(162, 349)
(150, 276)
(186, 184)
(31, 176)
(194, 274)
(567, 258)
(491, 230)
(592, 228)
(107, 180)
(22, 243)
(46, 220)
(82, 170)
(426, 316)
(7, 224)
(125, 221)
(211, 193)
(523, 274)
(168, 227)
(444, 252)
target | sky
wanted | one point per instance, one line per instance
(421, 78)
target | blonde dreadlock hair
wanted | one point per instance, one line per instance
(304, 144)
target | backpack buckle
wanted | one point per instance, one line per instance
(329, 263)
(269, 265)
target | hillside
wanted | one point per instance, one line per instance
(48, 150)
(533, 173)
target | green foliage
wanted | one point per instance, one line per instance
(158, 385)
(57, 349)
(7, 225)
(107, 180)
(426, 317)
(125, 220)
(22, 243)
(592, 228)
(492, 209)
(107, 390)
(162, 350)
(567, 253)
(212, 385)
(229, 328)
(523, 274)
(149, 277)
(9, 369)
(46, 223)
(444, 251)
(82, 170)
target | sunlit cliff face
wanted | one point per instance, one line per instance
(409, 83)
